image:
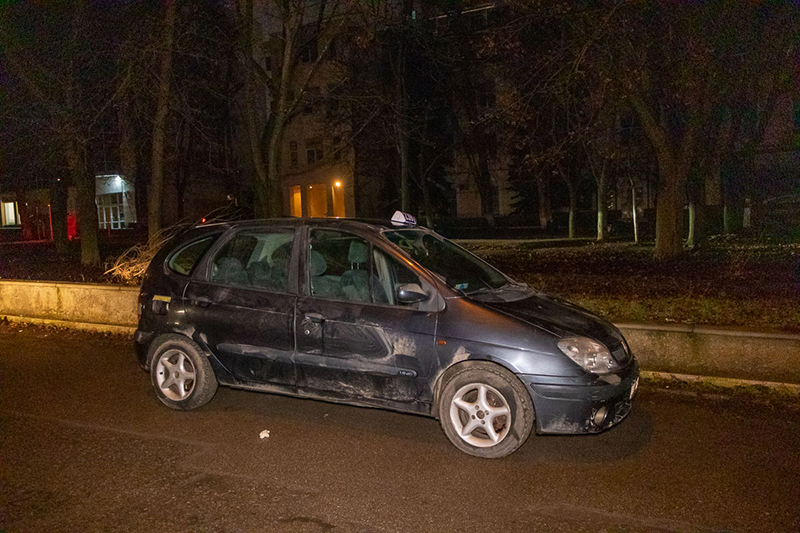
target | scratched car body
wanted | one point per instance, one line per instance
(374, 314)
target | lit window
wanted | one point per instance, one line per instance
(10, 214)
(297, 201)
(111, 210)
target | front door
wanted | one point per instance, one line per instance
(354, 339)
(243, 310)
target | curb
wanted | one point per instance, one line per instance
(727, 383)
(84, 326)
(708, 330)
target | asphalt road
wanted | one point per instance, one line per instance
(85, 446)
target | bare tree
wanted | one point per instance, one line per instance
(66, 77)
(155, 189)
(281, 50)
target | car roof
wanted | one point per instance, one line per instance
(373, 225)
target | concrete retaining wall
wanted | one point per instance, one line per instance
(679, 349)
(73, 302)
(711, 351)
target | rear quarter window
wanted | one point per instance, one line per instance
(186, 258)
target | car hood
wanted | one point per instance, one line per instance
(559, 318)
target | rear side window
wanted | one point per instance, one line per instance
(256, 258)
(184, 260)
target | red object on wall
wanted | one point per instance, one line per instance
(72, 226)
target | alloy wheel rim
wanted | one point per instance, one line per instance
(175, 375)
(480, 415)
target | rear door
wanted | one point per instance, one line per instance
(354, 339)
(242, 309)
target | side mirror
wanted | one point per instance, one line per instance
(411, 293)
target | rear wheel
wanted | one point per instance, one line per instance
(485, 410)
(181, 374)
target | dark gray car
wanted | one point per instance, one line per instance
(378, 315)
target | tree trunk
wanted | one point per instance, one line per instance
(545, 213)
(673, 170)
(58, 215)
(633, 213)
(602, 207)
(427, 202)
(485, 187)
(127, 147)
(87, 208)
(156, 187)
(669, 212)
(273, 189)
(573, 205)
(401, 127)
(402, 152)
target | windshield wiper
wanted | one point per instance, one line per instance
(486, 289)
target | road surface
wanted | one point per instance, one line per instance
(85, 446)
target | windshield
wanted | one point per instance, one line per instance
(459, 268)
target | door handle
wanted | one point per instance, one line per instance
(315, 317)
(201, 301)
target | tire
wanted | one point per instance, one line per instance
(180, 373)
(485, 389)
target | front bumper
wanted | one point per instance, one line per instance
(587, 404)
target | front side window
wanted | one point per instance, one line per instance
(388, 275)
(459, 268)
(346, 267)
(255, 258)
(338, 266)
(184, 260)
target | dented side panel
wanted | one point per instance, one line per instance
(249, 331)
(363, 350)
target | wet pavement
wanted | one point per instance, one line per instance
(85, 446)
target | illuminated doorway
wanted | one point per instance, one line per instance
(297, 201)
(317, 200)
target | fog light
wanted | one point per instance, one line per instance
(600, 416)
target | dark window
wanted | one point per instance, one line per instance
(486, 97)
(332, 50)
(313, 152)
(255, 259)
(308, 52)
(293, 154)
(337, 147)
(797, 117)
(311, 98)
(184, 260)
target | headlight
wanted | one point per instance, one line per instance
(590, 355)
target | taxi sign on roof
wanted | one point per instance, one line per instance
(403, 219)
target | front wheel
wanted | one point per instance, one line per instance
(181, 374)
(485, 410)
